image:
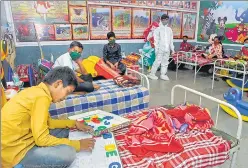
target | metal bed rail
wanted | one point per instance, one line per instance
(219, 102)
(183, 60)
(220, 64)
(144, 79)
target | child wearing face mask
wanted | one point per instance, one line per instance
(215, 50)
(244, 49)
(112, 54)
(185, 46)
(163, 42)
(72, 59)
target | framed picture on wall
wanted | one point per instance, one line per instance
(156, 14)
(194, 5)
(100, 22)
(125, 1)
(77, 3)
(175, 21)
(78, 14)
(189, 25)
(63, 32)
(142, 3)
(140, 21)
(151, 2)
(121, 22)
(159, 3)
(166, 3)
(187, 4)
(45, 32)
(25, 32)
(80, 32)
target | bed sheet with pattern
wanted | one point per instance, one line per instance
(110, 98)
(201, 149)
(200, 60)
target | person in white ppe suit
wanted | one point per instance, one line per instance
(163, 41)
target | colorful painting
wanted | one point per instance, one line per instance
(63, 32)
(189, 25)
(159, 3)
(151, 2)
(142, 3)
(125, 1)
(227, 19)
(25, 32)
(140, 21)
(80, 32)
(166, 3)
(45, 32)
(40, 11)
(175, 21)
(100, 23)
(194, 5)
(78, 14)
(77, 3)
(156, 14)
(121, 23)
(187, 4)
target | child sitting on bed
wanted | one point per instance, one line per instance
(244, 49)
(215, 50)
(185, 46)
(29, 137)
(72, 59)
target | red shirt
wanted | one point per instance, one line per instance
(185, 46)
(244, 51)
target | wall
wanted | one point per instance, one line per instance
(30, 54)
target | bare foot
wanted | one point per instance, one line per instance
(96, 87)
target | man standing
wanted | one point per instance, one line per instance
(112, 54)
(163, 41)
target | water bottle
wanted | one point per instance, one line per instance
(16, 80)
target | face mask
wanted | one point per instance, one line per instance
(111, 41)
(75, 55)
(164, 22)
(184, 41)
(246, 45)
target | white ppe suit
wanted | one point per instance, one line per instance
(163, 41)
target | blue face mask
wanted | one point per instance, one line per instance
(246, 45)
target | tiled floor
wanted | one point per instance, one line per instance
(160, 95)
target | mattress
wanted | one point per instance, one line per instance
(199, 149)
(110, 98)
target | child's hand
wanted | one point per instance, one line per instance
(82, 127)
(87, 144)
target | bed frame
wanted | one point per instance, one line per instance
(184, 61)
(186, 90)
(144, 80)
(219, 64)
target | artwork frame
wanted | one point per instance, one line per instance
(156, 14)
(60, 34)
(127, 26)
(45, 32)
(76, 34)
(100, 21)
(175, 23)
(139, 26)
(189, 27)
(25, 32)
(77, 3)
(78, 14)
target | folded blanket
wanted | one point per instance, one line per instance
(126, 81)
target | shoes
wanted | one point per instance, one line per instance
(152, 76)
(164, 77)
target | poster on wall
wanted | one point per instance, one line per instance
(77, 3)
(227, 19)
(166, 3)
(194, 5)
(40, 11)
(25, 32)
(142, 3)
(175, 21)
(80, 32)
(151, 3)
(121, 23)
(189, 25)
(156, 14)
(45, 32)
(159, 3)
(78, 14)
(100, 22)
(140, 21)
(63, 32)
(125, 1)
(187, 4)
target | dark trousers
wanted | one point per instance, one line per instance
(121, 66)
(87, 85)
